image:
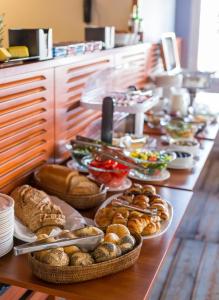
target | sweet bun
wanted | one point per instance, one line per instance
(106, 251)
(81, 259)
(119, 229)
(111, 238)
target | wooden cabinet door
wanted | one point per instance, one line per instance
(26, 125)
(71, 118)
(134, 60)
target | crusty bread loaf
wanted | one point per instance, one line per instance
(56, 177)
(65, 181)
(35, 209)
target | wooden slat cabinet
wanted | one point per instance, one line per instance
(26, 125)
(134, 61)
(70, 118)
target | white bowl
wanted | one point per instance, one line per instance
(187, 145)
(184, 160)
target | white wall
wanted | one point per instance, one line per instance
(159, 17)
(64, 16)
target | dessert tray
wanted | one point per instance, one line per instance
(74, 220)
(164, 225)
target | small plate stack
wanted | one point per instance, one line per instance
(6, 224)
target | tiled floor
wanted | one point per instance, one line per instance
(191, 270)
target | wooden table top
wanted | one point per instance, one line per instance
(187, 179)
(133, 283)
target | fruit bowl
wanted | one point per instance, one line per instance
(107, 172)
(154, 161)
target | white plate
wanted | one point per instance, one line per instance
(74, 220)
(74, 165)
(6, 250)
(142, 177)
(164, 224)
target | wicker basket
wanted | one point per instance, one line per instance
(77, 201)
(71, 274)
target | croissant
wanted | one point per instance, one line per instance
(35, 209)
(119, 219)
(148, 190)
(151, 228)
(141, 201)
(136, 225)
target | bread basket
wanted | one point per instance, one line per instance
(77, 201)
(71, 274)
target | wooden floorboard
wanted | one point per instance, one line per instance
(157, 290)
(183, 270)
(191, 271)
(207, 282)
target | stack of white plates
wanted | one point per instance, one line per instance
(6, 224)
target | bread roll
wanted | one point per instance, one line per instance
(81, 259)
(119, 229)
(106, 251)
(111, 238)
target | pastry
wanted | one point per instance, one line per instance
(136, 225)
(106, 251)
(111, 238)
(135, 190)
(67, 234)
(127, 243)
(151, 228)
(119, 229)
(119, 219)
(71, 250)
(81, 259)
(141, 201)
(135, 214)
(158, 200)
(56, 257)
(88, 231)
(123, 211)
(66, 181)
(148, 190)
(35, 209)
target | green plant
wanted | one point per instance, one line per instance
(1, 29)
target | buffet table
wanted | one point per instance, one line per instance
(133, 283)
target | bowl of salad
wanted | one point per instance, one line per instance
(108, 172)
(154, 161)
(180, 129)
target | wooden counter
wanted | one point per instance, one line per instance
(133, 283)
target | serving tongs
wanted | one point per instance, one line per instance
(88, 243)
(121, 203)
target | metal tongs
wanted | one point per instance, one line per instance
(88, 243)
(110, 152)
(121, 203)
